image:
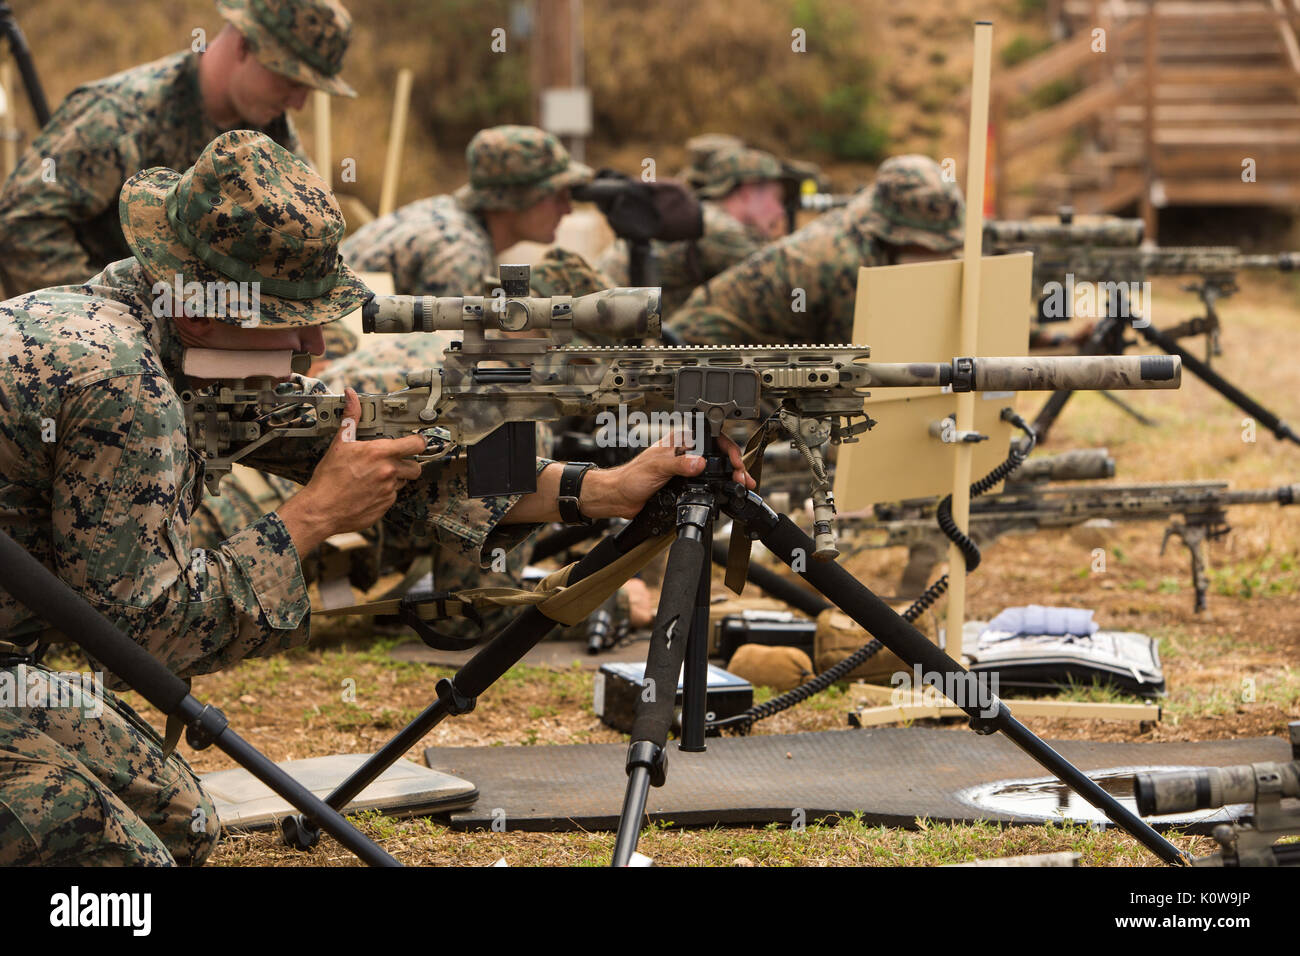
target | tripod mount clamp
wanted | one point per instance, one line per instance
(644, 753)
(455, 702)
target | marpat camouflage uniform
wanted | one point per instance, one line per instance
(802, 288)
(99, 482)
(432, 246)
(441, 245)
(58, 210)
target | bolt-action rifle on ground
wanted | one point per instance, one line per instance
(1196, 512)
(1102, 263)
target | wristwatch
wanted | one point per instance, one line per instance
(570, 490)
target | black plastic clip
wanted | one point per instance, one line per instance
(457, 703)
(644, 753)
(408, 613)
(206, 727)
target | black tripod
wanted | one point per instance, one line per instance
(1107, 338)
(680, 634)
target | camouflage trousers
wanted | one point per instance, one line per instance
(88, 785)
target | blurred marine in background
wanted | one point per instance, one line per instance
(802, 287)
(742, 191)
(58, 211)
(518, 189)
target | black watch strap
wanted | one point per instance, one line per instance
(570, 489)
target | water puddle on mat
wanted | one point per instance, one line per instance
(1046, 798)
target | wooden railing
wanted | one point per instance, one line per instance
(1157, 109)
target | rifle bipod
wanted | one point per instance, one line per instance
(1108, 339)
(686, 592)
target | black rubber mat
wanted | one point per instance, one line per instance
(891, 775)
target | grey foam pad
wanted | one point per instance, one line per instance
(404, 789)
(891, 775)
(559, 654)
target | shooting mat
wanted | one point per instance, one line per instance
(404, 789)
(892, 775)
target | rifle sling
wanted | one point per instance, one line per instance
(738, 550)
(563, 603)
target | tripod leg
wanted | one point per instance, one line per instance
(988, 714)
(647, 760)
(1221, 385)
(458, 694)
(1125, 406)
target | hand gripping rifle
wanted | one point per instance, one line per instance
(817, 391)
(814, 392)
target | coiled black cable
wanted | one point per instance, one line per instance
(741, 723)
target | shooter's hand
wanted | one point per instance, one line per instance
(353, 485)
(620, 492)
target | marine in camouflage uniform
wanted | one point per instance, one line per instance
(98, 481)
(58, 210)
(444, 245)
(803, 288)
(726, 241)
(380, 364)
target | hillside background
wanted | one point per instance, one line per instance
(877, 78)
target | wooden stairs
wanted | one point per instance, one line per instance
(1167, 103)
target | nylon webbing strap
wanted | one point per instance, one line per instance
(561, 602)
(738, 548)
(173, 729)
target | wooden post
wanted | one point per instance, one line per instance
(323, 137)
(8, 127)
(396, 136)
(1149, 215)
(970, 303)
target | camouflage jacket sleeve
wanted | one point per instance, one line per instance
(73, 173)
(125, 488)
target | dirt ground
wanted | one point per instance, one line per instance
(1231, 670)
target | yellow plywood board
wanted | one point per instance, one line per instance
(912, 313)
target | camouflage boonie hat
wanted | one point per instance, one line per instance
(731, 167)
(302, 39)
(514, 167)
(248, 211)
(699, 149)
(910, 203)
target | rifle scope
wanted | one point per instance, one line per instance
(1207, 788)
(613, 313)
